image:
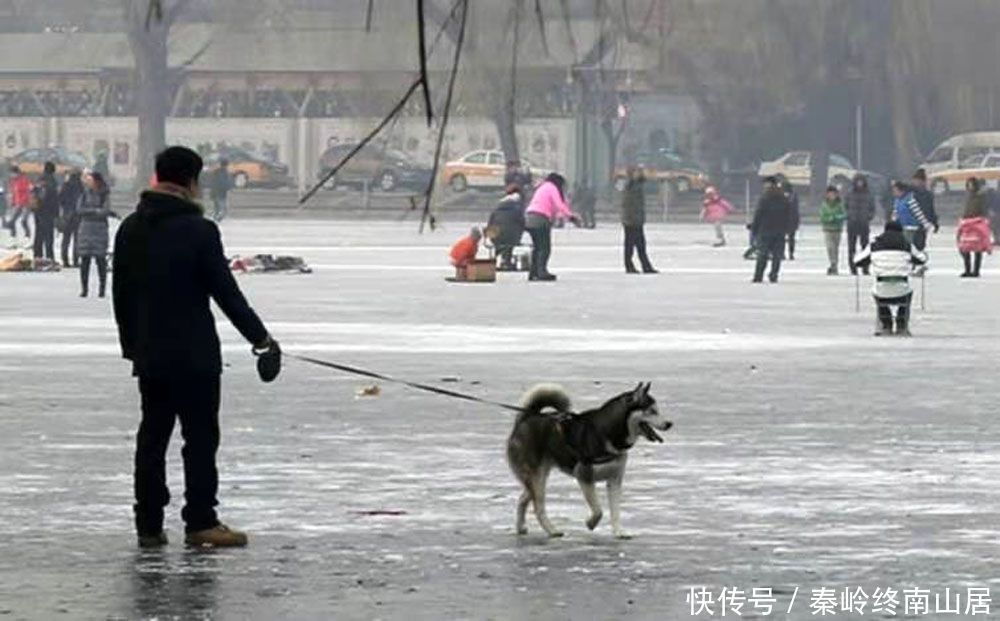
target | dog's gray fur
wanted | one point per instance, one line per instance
(591, 447)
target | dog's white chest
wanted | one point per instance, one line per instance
(609, 470)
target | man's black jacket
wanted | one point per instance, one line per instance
(168, 263)
(773, 215)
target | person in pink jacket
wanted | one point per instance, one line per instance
(714, 210)
(974, 235)
(548, 207)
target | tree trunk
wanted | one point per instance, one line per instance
(612, 137)
(503, 118)
(152, 88)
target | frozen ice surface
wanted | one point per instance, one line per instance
(805, 453)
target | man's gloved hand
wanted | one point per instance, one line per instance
(937, 228)
(268, 359)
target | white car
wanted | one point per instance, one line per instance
(986, 167)
(796, 167)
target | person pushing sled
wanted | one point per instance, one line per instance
(892, 259)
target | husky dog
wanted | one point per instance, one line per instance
(591, 447)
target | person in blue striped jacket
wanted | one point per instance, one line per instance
(908, 213)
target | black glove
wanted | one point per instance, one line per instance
(937, 228)
(268, 360)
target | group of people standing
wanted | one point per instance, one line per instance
(78, 208)
(547, 207)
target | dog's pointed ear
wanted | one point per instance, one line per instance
(638, 392)
(648, 386)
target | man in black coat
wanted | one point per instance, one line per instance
(925, 198)
(770, 226)
(47, 194)
(506, 227)
(168, 265)
(69, 203)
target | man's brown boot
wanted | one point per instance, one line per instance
(219, 537)
(153, 541)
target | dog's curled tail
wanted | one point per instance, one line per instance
(545, 396)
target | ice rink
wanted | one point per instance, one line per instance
(806, 454)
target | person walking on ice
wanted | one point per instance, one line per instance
(547, 208)
(634, 222)
(92, 237)
(715, 210)
(910, 215)
(833, 215)
(768, 230)
(974, 236)
(795, 219)
(860, 206)
(892, 259)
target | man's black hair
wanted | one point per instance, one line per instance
(178, 165)
(49, 168)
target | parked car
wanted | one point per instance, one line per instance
(961, 151)
(796, 167)
(384, 169)
(664, 166)
(32, 161)
(249, 171)
(985, 167)
(484, 169)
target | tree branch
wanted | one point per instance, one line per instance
(422, 51)
(174, 12)
(541, 26)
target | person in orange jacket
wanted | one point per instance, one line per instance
(464, 251)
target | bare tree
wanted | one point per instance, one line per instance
(148, 24)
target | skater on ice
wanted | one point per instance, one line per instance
(547, 208)
(860, 206)
(715, 210)
(974, 235)
(832, 216)
(770, 226)
(634, 222)
(892, 260)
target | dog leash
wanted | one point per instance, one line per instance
(415, 385)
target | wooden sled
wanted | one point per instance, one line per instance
(480, 270)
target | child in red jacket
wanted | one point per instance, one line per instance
(464, 251)
(20, 202)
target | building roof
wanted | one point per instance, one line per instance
(264, 50)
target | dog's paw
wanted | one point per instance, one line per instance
(522, 530)
(555, 534)
(623, 536)
(594, 520)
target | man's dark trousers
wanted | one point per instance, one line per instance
(195, 401)
(858, 234)
(769, 246)
(45, 237)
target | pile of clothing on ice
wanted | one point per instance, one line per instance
(19, 262)
(268, 263)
